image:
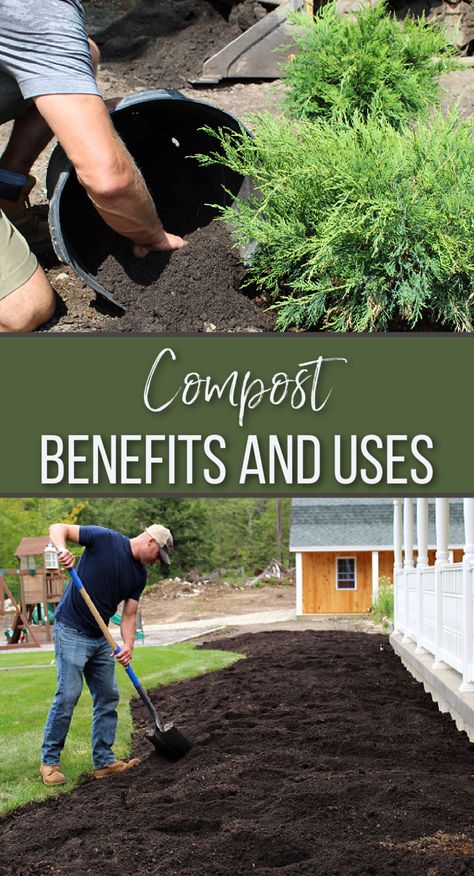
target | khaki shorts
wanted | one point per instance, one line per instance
(17, 262)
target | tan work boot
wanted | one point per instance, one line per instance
(28, 220)
(119, 766)
(51, 775)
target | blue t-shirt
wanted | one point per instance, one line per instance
(110, 574)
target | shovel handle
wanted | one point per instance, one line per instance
(101, 623)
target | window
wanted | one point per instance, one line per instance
(346, 573)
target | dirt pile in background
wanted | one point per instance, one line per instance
(195, 598)
(317, 754)
(163, 43)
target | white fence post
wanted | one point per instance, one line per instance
(467, 684)
(408, 557)
(421, 565)
(442, 558)
(397, 558)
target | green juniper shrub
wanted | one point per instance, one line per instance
(368, 62)
(358, 227)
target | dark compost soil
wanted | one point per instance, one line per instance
(164, 43)
(196, 289)
(318, 754)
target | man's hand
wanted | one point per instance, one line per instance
(125, 655)
(66, 558)
(168, 243)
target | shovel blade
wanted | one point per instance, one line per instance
(169, 742)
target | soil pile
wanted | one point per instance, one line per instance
(164, 43)
(317, 754)
(196, 289)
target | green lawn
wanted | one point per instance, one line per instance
(26, 694)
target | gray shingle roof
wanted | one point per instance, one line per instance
(364, 523)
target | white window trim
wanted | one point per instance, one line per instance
(347, 589)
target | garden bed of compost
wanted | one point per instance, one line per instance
(196, 289)
(317, 754)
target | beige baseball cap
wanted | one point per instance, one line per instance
(163, 538)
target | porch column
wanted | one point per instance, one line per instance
(467, 684)
(408, 533)
(299, 583)
(442, 559)
(397, 535)
(375, 575)
(407, 553)
(421, 564)
(397, 556)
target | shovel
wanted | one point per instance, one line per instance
(166, 738)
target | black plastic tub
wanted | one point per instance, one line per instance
(161, 128)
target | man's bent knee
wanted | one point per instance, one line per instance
(28, 306)
(26, 298)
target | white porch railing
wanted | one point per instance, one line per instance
(434, 607)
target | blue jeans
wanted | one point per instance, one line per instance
(78, 656)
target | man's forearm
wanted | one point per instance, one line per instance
(131, 212)
(103, 164)
(58, 534)
(128, 628)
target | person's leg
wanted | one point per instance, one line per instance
(29, 306)
(100, 677)
(71, 657)
(30, 135)
(26, 298)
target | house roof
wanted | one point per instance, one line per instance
(31, 547)
(360, 523)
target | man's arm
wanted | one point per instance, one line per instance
(59, 534)
(106, 169)
(128, 628)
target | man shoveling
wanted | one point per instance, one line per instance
(113, 569)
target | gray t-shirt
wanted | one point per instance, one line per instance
(44, 49)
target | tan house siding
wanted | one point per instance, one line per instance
(319, 583)
(320, 594)
(386, 565)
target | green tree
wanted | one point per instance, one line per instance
(186, 518)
